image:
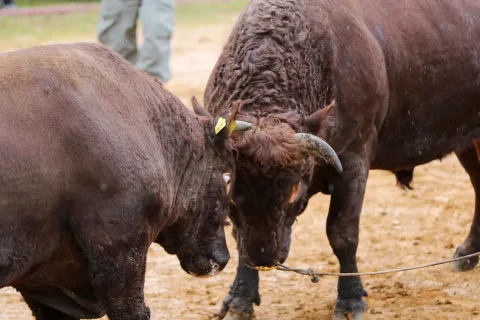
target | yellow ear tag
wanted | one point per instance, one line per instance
(231, 127)
(221, 123)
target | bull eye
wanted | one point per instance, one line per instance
(227, 181)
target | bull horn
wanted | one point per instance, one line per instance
(242, 126)
(239, 126)
(320, 148)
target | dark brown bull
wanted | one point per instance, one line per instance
(388, 84)
(97, 161)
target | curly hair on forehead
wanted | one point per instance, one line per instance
(271, 145)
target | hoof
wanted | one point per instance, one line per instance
(232, 315)
(464, 265)
(236, 309)
(355, 307)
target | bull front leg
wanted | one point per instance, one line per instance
(238, 305)
(469, 158)
(343, 230)
(115, 250)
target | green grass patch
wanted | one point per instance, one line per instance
(25, 31)
(40, 3)
(209, 13)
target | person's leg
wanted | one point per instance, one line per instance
(9, 4)
(117, 27)
(157, 17)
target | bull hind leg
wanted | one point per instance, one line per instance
(42, 312)
(469, 158)
(243, 294)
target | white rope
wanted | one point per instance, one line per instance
(315, 275)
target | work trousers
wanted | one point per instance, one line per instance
(118, 29)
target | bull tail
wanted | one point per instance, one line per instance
(404, 178)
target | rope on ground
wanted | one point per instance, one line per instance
(316, 275)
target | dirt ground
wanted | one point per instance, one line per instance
(398, 228)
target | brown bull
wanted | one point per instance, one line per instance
(97, 161)
(388, 84)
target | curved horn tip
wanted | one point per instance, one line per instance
(337, 165)
(321, 148)
(242, 126)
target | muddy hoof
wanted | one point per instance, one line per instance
(234, 308)
(231, 315)
(464, 265)
(355, 307)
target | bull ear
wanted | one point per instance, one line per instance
(228, 124)
(313, 122)
(199, 110)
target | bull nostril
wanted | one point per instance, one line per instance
(221, 260)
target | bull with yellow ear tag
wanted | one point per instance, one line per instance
(235, 125)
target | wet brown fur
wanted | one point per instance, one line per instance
(270, 145)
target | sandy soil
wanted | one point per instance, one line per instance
(398, 229)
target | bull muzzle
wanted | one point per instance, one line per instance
(262, 268)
